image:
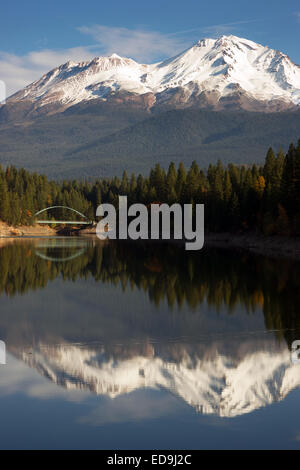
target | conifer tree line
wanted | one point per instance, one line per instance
(264, 198)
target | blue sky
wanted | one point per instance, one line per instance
(37, 36)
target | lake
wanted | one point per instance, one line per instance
(131, 345)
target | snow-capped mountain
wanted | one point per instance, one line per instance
(213, 383)
(224, 73)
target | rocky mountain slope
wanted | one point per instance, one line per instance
(224, 73)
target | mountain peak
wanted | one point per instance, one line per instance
(114, 56)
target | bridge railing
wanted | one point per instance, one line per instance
(86, 222)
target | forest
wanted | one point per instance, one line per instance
(261, 198)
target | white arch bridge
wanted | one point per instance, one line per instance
(86, 221)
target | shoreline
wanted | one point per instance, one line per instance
(9, 231)
(274, 246)
(278, 247)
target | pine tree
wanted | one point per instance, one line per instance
(269, 166)
(288, 179)
(171, 182)
(181, 181)
(4, 200)
(133, 184)
(227, 187)
(124, 188)
(158, 180)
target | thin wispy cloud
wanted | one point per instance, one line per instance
(141, 45)
(147, 46)
(19, 71)
(217, 29)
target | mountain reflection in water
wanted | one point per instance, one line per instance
(213, 327)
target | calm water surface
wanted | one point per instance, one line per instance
(134, 346)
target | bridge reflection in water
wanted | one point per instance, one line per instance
(60, 245)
